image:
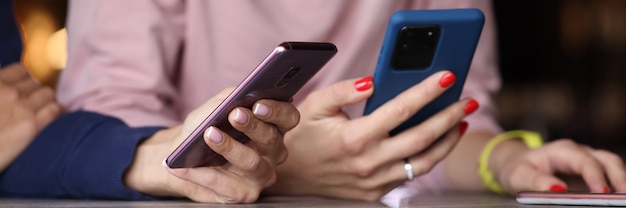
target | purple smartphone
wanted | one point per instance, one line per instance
(279, 76)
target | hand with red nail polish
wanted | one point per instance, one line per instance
(348, 143)
(539, 169)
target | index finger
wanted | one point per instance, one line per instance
(571, 158)
(613, 166)
(282, 114)
(397, 110)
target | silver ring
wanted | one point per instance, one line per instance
(409, 169)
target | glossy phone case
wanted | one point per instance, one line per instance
(459, 31)
(279, 76)
(571, 198)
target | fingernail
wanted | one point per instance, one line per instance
(240, 116)
(607, 190)
(447, 79)
(364, 84)
(471, 106)
(557, 188)
(261, 110)
(214, 135)
(462, 128)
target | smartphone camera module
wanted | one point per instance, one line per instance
(290, 74)
(415, 47)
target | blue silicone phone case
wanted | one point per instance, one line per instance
(459, 33)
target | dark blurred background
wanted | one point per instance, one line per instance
(563, 63)
(564, 69)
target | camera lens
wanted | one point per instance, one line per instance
(415, 47)
(405, 47)
(285, 79)
(292, 72)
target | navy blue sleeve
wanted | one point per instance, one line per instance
(10, 39)
(80, 155)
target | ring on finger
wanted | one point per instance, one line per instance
(409, 169)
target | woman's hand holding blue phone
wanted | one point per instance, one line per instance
(419, 43)
(421, 68)
(356, 158)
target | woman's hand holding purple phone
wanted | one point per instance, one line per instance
(251, 166)
(333, 155)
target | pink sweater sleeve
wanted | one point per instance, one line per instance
(121, 56)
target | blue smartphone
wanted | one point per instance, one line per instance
(419, 43)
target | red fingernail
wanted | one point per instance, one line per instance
(471, 106)
(557, 188)
(447, 79)
(364, 84)
(462, 128)
(607, 190)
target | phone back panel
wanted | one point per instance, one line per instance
(459, 31)
(281, 74)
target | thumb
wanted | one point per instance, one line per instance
(331, 100)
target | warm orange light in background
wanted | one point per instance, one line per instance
(41, 23)
(56, 49)
(37, 28)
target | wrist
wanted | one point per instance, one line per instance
(146, 173)
(504, 154)
(501, 151)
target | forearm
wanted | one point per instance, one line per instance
(80, 155)
(465, 159)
